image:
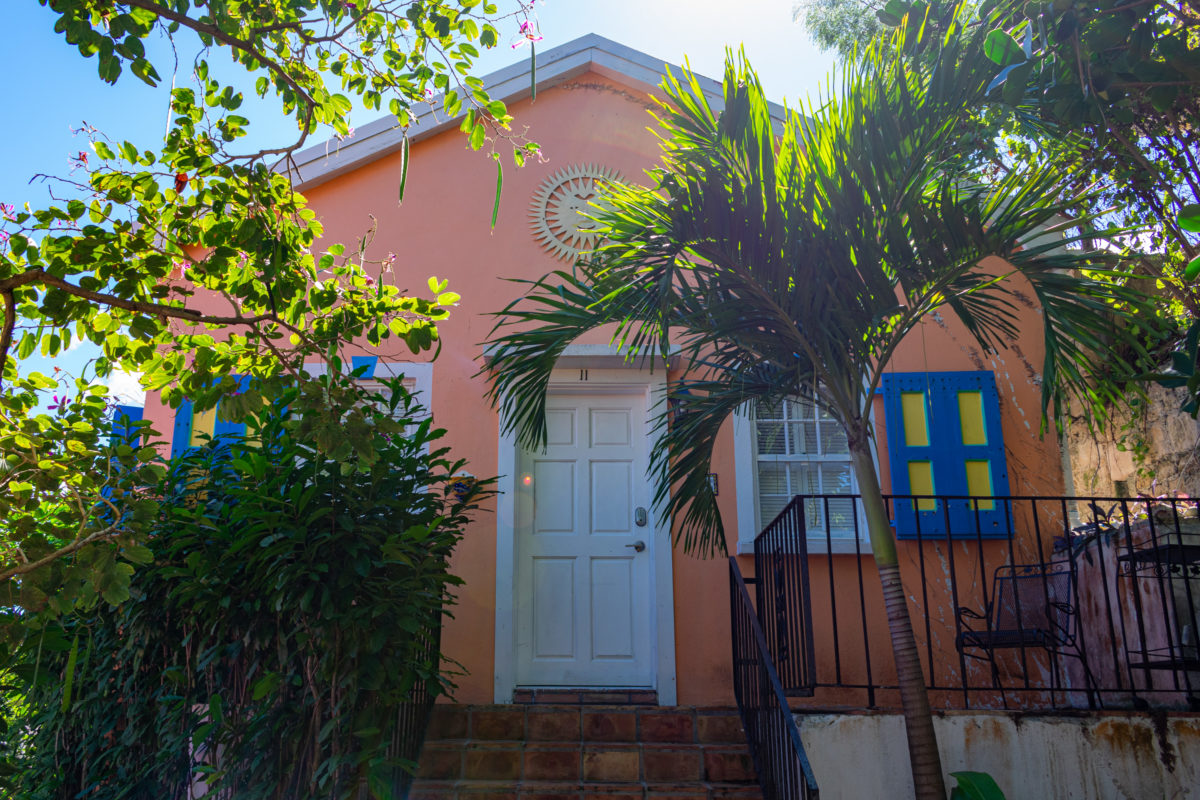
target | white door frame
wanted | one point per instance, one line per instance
(584, 380)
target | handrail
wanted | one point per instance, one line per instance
(784, 772)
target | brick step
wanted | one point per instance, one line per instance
(576, 761)
(536, 752)
(568, 790)
(593, 724)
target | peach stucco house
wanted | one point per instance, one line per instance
(573, 590)
(530, 615)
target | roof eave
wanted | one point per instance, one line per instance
(592, 53)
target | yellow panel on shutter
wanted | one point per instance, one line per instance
(203, 423)
(970, 411)
(979, 484)
(920, 481)
(916, 423)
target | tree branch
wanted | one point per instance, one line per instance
(10, 322)
(44, 278)
(226, 39)
(30, 566)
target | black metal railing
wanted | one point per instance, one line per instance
(407, 735)
(779, 758)
(1038, 601)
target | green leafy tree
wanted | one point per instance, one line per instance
(795, 265)
(841, 25)
(1108, 91)
(282, 639)
(193, 258)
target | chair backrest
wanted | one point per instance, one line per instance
(1034, 597)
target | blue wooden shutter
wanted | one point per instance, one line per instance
(122, 427)
(370, 362)
(181, 436)
(951, 453)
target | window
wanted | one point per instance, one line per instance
(944, 438)
(794, 448)
(189, 427)
(193, 428)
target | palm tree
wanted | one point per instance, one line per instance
(794, 263)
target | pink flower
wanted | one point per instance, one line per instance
(7, 210)
(82, 157)
(349, 134)
(370, 281)
(3, 237)
(387, 262)
(527, 33)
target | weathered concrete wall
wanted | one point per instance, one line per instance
(1100, 756)
(1157, 439)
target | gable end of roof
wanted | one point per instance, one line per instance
(591, 53)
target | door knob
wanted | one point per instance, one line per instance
(637, 546)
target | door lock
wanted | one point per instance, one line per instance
(640, 517)
(637, 546)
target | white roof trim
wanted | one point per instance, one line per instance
(322, 162)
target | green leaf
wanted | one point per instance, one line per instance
(1189, 218)
(975, 786)
(27, 345)
(478, 136)
(1013, 90)
(116, 592)
(893, 13)
(138, 554)
(264, 685)
(201, 734)
(1001, 48)
(69, 675)
(1192, 269)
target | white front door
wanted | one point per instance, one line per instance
(585, 547)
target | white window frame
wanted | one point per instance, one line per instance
(745, 452)
(418, 377)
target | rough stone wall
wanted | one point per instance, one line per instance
(1154, 450)
(1095, 756)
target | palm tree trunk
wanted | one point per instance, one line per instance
(918, 719)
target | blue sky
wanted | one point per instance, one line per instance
(52, 89)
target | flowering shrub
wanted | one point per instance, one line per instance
(283, 633)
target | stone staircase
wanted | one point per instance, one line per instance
(584, 752)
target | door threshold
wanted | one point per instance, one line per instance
(586, 696)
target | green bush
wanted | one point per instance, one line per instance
(283, 643)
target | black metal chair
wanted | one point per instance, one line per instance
(1032, 607)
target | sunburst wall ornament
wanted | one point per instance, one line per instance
(557, 211)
